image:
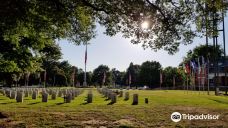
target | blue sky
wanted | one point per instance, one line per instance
(117, 52)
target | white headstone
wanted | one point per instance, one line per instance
(19, 97)
(44, 97)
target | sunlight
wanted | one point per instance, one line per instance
(145, 25)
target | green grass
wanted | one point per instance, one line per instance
(55, 113)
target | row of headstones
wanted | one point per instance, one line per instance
(68, 95)
(19, 94)
(112, 95)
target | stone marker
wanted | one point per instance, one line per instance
(13, 95)
(8, 93)
(89, 98)
(60, 94)
(44, 97)
(113, 99)
(146, 100)
(121, 94)
(34, 95)
(73, 95)
(53, 96)
(19, 97)
(135, 99)
(126, 96)
(2, 92)
(68, 98)
(26, 93)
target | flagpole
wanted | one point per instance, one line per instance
(187, 83)
(161, 79)
(84, 83)
(208, 88)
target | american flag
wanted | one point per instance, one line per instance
(129, 78)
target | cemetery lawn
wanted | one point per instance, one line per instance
(55, 113)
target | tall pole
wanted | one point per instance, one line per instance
(224, 43)
(45, 75)
(208, 83)
(85, 83)
(161, 79)
(206, 17)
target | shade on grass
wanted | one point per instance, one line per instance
(34, 113)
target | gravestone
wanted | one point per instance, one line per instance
(13, 95)
(135, 99)
(60, 93)
(8, 93)
(113, 99)
(110, 95)
(121, 94)
(26, 93)
(19, 97)
(44, 97)
(73, 95)
(126, 96)
(34, 95)
(53, 96)
(89, 98)
(68, 97)
(146, 100)
(2, 92)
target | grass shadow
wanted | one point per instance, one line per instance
(106, 99)
(134, 104)
(85, 103)
(33, 103)
(111, 103)
(7, 103)
(219, 101)
(2, 116)
(59, 103)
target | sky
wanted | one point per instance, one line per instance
(117, 52)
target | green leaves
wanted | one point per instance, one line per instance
(8, 66)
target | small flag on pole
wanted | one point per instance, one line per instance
(187, 68)
(129, 78)
(199, 67)
(104, 77)
(174, 82)
(184, 68)
(73, 76)
(161, 77)
(193, 65)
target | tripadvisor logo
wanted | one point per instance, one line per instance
(176, 117)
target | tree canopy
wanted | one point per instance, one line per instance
(203, 50)
(29, 29)
(171, 23)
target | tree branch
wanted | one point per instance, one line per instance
(86, 3)
(156, 8)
